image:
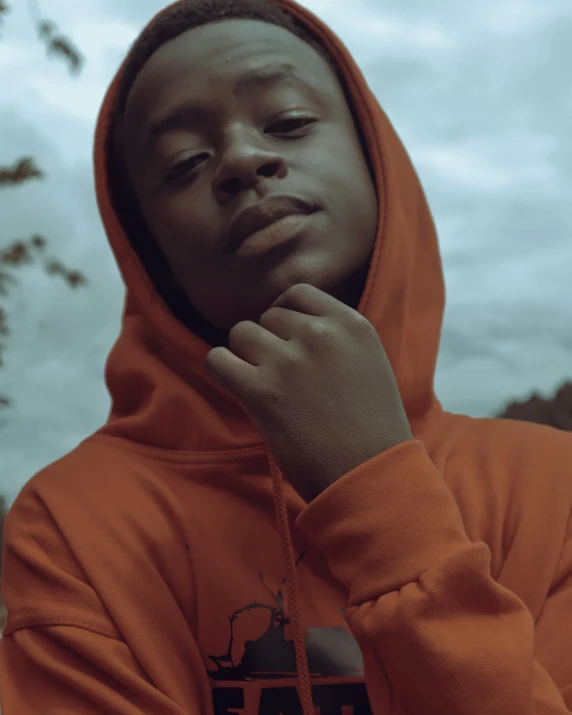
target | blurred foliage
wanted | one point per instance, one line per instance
(22, 252)
(554, 412)
(3, 510)
(56, 43)
(59, 45)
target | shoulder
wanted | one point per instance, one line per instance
(512, 481)
(100, 481)
(100, 493)
(95, 523)
(521, 447)
(512, 469)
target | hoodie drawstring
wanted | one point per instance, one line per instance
(302, 669)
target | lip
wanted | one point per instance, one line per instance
(276, 234)
(262, 215)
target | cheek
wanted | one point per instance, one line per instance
(359, 176)
(350, 187)
(344, 168)
(352, 194)
(184, 228)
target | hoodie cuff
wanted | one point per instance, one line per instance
(385, 523)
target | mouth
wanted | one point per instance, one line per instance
(272, 236)
(270, 218)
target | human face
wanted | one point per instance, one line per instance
(240, 147)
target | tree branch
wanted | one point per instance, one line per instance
(56, 43)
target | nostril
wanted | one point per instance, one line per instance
(231, 186)
(269, 170)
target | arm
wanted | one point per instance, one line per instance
(423, 606)
(57, 669)
(62, 651)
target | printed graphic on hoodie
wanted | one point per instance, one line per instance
(332, 652)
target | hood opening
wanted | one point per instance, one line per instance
(153, 260)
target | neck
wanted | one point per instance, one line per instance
(351, 292)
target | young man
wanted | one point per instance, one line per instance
(279, 516)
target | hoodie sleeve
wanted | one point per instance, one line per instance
(73, 669)
(423, 606)
(60, 651)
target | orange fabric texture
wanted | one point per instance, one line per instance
(165, 567)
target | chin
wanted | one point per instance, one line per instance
(312, 267)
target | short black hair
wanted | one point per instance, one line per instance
(172, 22)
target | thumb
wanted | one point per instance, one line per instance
(230, 372)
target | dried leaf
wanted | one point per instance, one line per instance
(39, 242)
(4, 10)
(16, 254)
(3, 323)
(23, 170)
(60, 45)
(75, 279)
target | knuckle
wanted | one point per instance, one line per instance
(298, 289)
(269, 313)
(238, 332)
(239, 328)
(213, 355)
(360, 323)
(319, 330)
(287, 365)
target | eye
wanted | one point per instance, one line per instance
(184, 167)
(291, 124)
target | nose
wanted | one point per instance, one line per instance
(243, 165)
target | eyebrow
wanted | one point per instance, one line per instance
(261, 77)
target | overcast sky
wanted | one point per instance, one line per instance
(480, 94)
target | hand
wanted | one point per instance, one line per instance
(316, 383)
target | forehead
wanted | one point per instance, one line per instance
(210, 59)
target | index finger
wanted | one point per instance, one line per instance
(306, 298)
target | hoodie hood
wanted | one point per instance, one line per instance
(155, 372)
(161, 394)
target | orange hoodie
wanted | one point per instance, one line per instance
(164, 567)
